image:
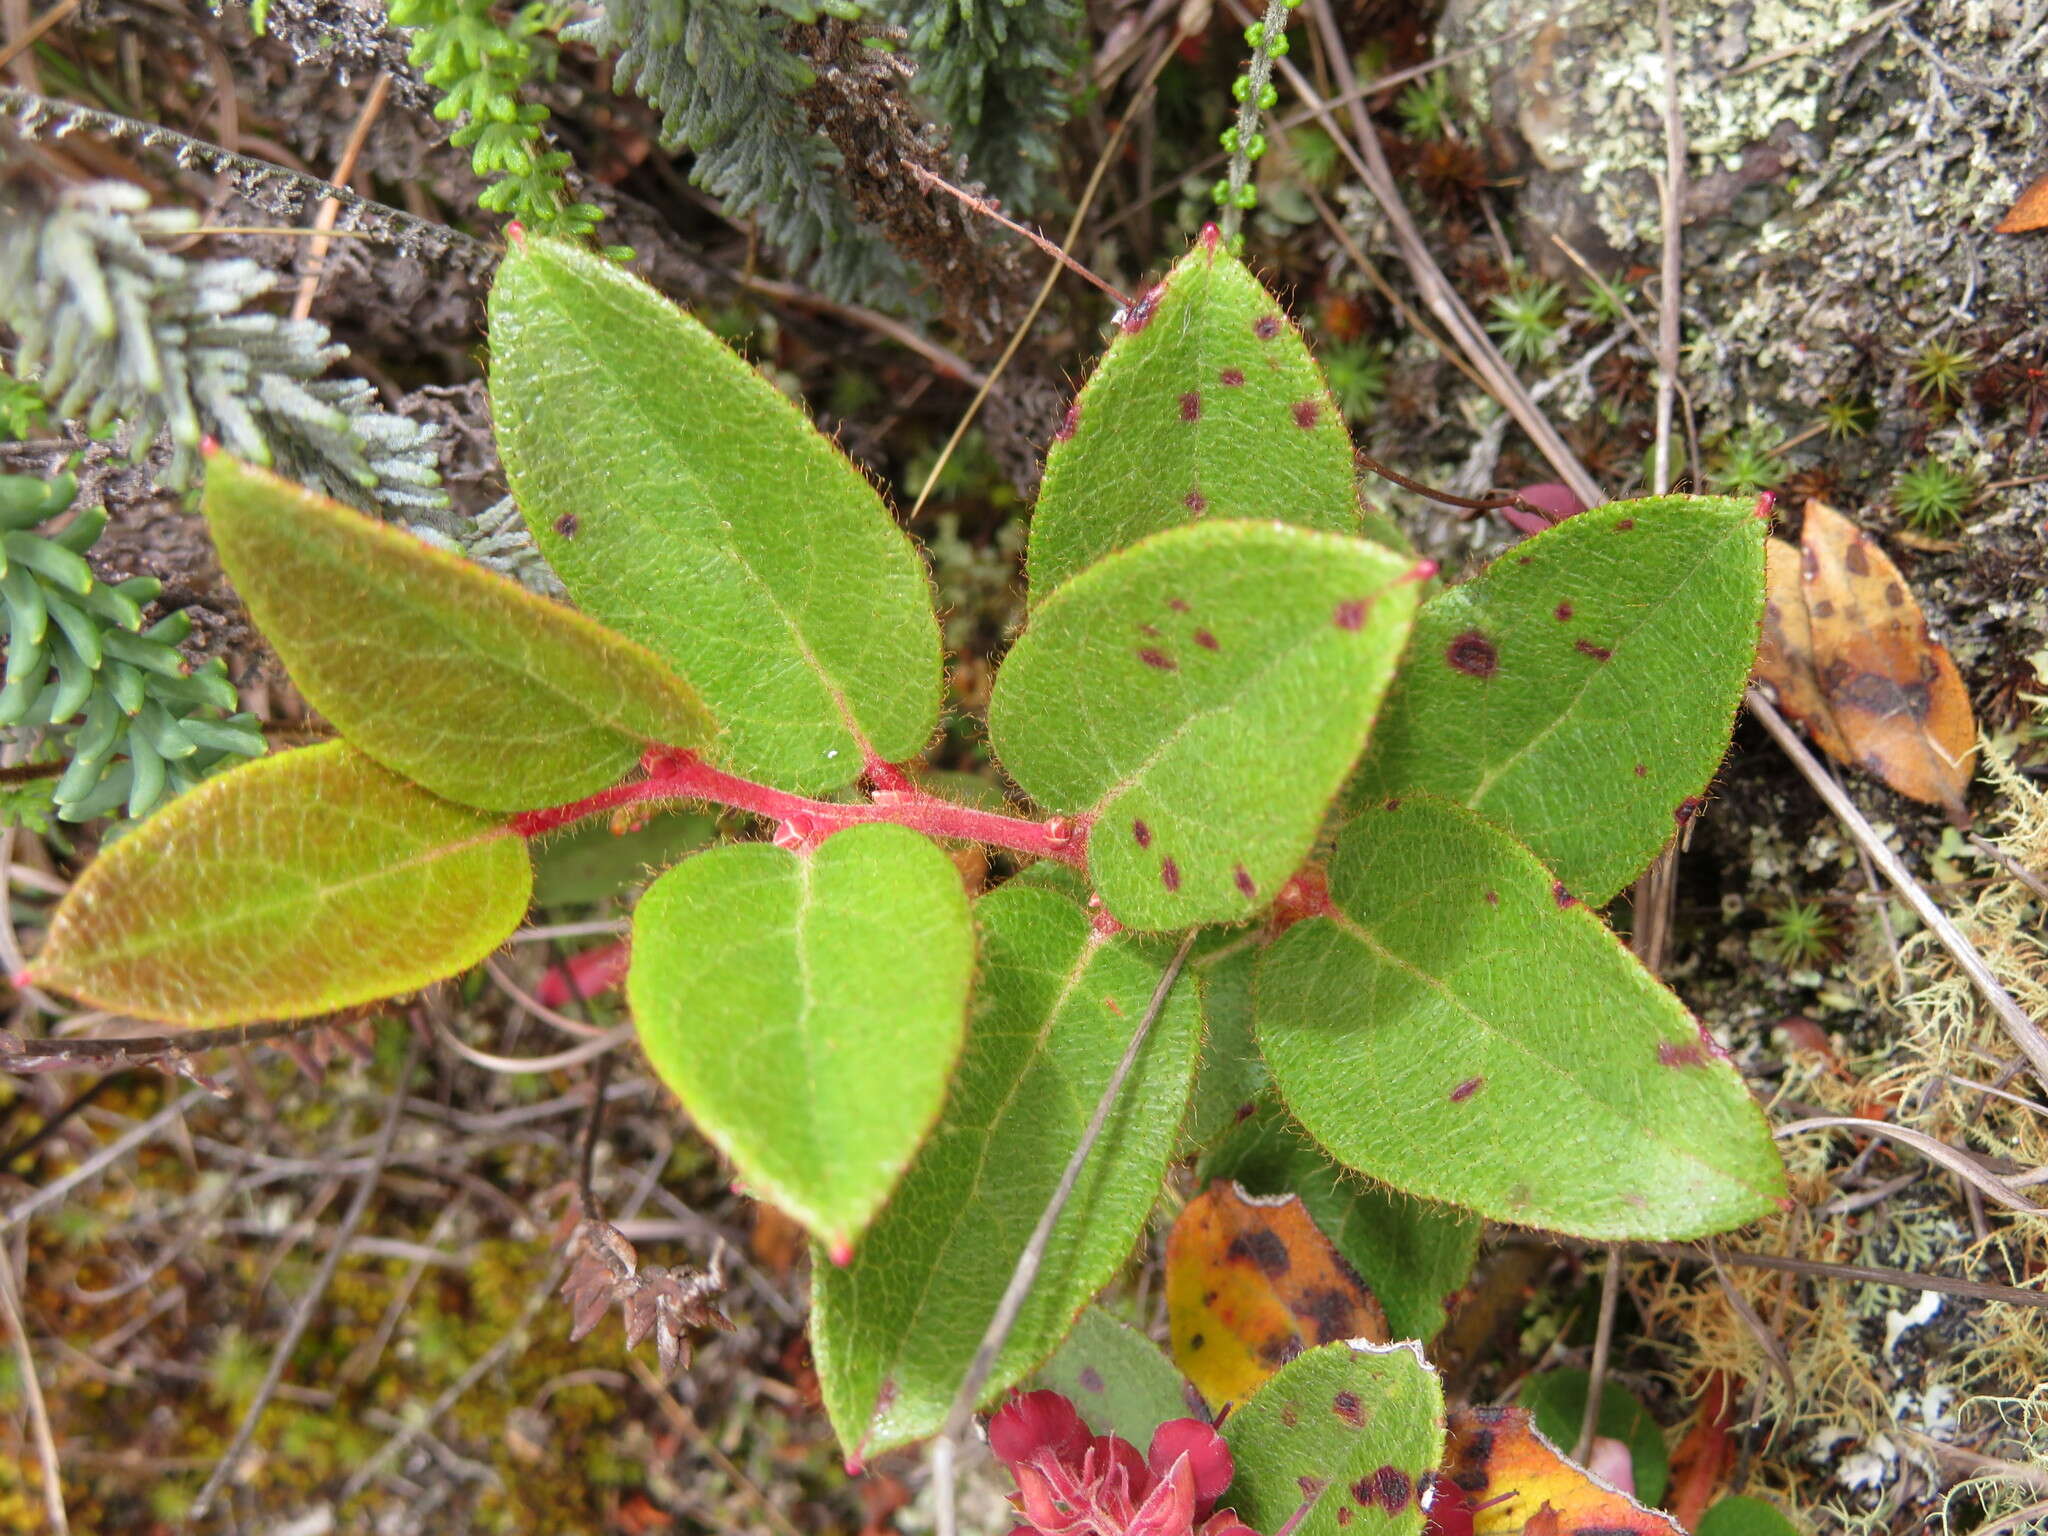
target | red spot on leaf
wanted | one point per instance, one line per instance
(1588, 648)
(1071, 421)
(1346, 1406)
(1206, 640)
(1142, 833)
(1561, 896)
(1350, 614)
(1642, 770)
(1466, 1089)
(1140, 314)
(1564, 613)
(1688, 808)
(1472, 654)
(1393, 1487)
(1177, 604)
(1169, 874)
(1266, 327)
(1234, 377)
(1245, 882)
(1344, 1514)
(1670, 1055)
(1624, 525)
(567, 524)
(1306, 414)
(1191, 406)
(1158, 659)
(1195, 501)
(1493, 898)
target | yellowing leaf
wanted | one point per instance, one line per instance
(1251, 1283)
(1497, 1453)
(1784, 657)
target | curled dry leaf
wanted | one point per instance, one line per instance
(1251, 1282)
(1519, 1484)
(604, 1268)
(2030, 212)
(1846, 653)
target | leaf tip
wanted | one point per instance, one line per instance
(840, 1251)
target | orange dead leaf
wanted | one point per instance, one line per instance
(1895, 695)
(1497, 1454)
(1250, 1283)
(1705, 1457)
(2030, 212)
(1784, 656)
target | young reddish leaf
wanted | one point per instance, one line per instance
(807, 1010)
(1250, 1283)
(689, 503)
(1199, 699)
(1893, 692)
(1457, 1006)
(294, 885)
(1056, 1003)
(1352, 1431)
(1497, 1453)
(457, 678)
(1206, 405)
(1118, 1379)
(1580, 691)
(1784, 657)
(1413, 1254)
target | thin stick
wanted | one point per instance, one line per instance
(1906, 1279)
(1603, 1342)
(38, 1413)
(680, 1415)
(2023, 1030)
(1959, 1163)
(80, 1050)
(2013, 866)
(586, 1164)
(112, 1152)
(948, 362)
(1087, 201)
(302, 1318)
(990, 211)
(330, 208)
(2016, 1521)
(1257, 75)
(34, 34)
(969, 1396)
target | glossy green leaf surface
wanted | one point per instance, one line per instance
(1412, 1254)
(689, 504)
(1580, 691)
(1352, 1430)
(1460, 1027)
(1121, 1381)
(1054, 1009)
(1557, 1400)
(807, 1010)
(1201, 697)
(1206, 405)
(294, 885)
(454, 676)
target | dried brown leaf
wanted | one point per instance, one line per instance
(2030, 212)
(1784, 656)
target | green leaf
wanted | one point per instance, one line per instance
(1411, 1253)
(688, 503)
(1739, 1515)
(1354, 1430)
(291, 886)
(1557, 1399)
(1121, 1381)
(1057, 1001)
(459, 679)
(1206, 405)
(1460, 1027)
(589, 862)
(807, 1009)
(1580, 691)
(1201, 697)
(1233, 1074)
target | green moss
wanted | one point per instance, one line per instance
(1933, 496)
(1527, 319)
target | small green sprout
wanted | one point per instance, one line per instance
(1358, 377)
(1425, 107)
(1605, 303)
(1315, 155)
(1527, 319)
(1939, 371)
(1932, 496)
(1798, 933)
(1748, 461)
(1847, 416)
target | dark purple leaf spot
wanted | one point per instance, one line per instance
(1264, 1249)
(1346, 1407)
(1306, 414)
(1206, 640)
(1688, 808)
(1624, 525)
(1142, 833)
(1140, 314)
(1561, 896)
(1331, 1312)
(1191, 406)
(1091, 1379)
(1856, 560)
(1245, 883)
(1564, 613)
(1234, 377)
(1195, 501)
(1893, 596)
(1350, 614)
(1393, 1487)
(1151, 632)
(1824, 609)
(1362, 1491)
(1169, 874)
(1244, 1112)
(1289, 1417)
(1642, 770)
(1311, 1487)
(1472, 654)
(1393, 804)
(1343, 1514)
(1669, 1055)
(1588, 648)
(1073, 420)
(566, 525)
(1177, 604)
(1524, 559)
(1197, 1341)
(1266, 327)
(1493, 898)
(1466, 1089)
(1158, 659)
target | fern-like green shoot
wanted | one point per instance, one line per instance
(1939, 371)
(1747, 462)
(1528, 319)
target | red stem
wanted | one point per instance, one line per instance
(677, 775)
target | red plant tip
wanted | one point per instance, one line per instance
(1059, 831)
(854, 1465)
(1421, 570)
(1554, 499)
(516, 233)
(1102, 924)
(20, 979)
(841, 1252)
(1765, 501)
(209, 445)
(1211, 237)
